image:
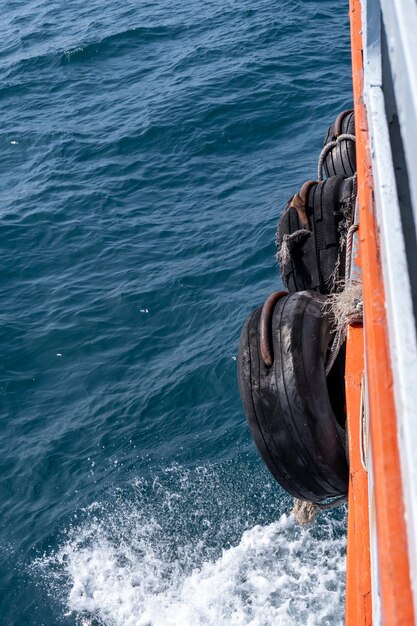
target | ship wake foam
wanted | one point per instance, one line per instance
(123, 567)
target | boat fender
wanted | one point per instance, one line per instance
(311, 235)
(287, 401)
(341, 158)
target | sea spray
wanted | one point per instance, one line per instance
(144, 560)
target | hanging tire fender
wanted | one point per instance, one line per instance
(310, 253)
(287, 405)
(341, 159)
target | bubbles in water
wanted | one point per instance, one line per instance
(157, 556)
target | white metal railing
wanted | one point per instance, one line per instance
(400, 23)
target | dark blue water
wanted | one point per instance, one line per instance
(146, 152)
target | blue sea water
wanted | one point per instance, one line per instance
(147, 149)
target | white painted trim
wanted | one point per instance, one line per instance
(400, 20)
(373, 545)
(400, 315)
(371, 37)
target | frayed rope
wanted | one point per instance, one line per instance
(284, 252)
(345, 307)
(305, 512)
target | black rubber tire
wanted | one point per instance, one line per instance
(287, 406)
(341, 160)
(313, 257)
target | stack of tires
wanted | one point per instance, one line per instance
(295, 411)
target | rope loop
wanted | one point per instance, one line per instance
(327, 148)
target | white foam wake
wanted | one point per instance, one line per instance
(195, 547)
(276, 575)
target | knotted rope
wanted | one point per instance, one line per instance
(284, 252)
(344, 226)
(346, 306)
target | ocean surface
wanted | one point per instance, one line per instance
(146, 152)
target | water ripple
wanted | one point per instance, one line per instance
(147, 151)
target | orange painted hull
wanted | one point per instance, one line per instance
(393, 573)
